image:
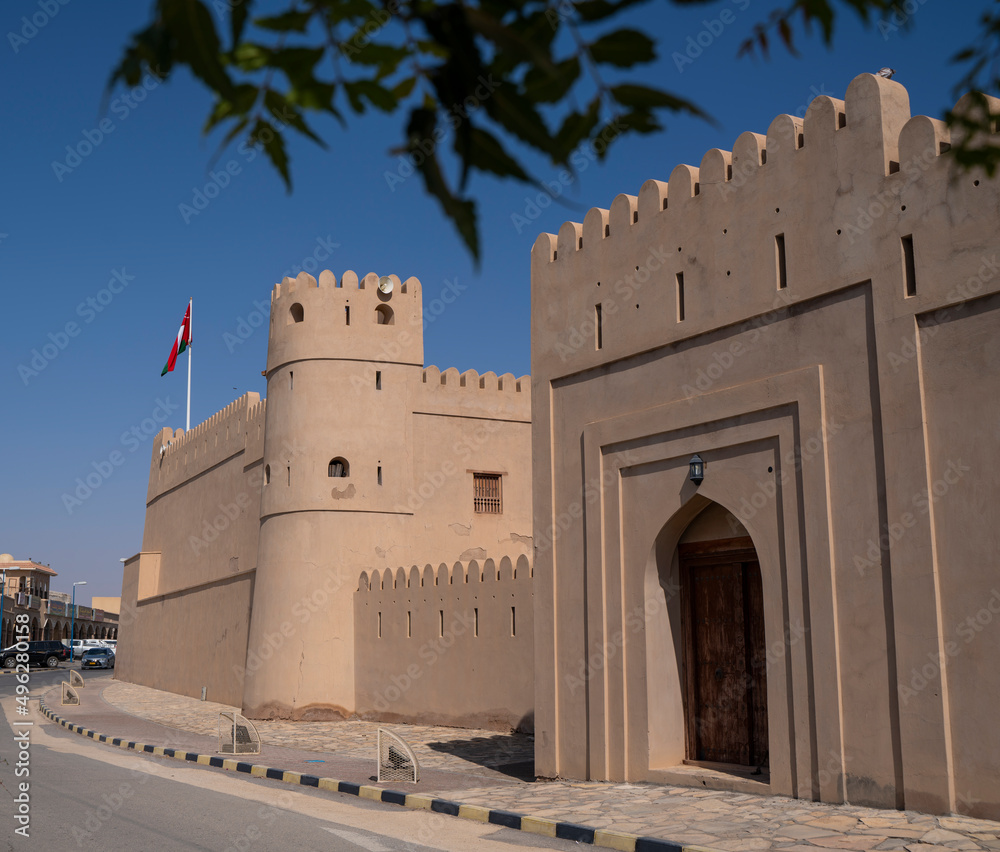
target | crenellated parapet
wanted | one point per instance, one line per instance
(348, 318)
(468, 393)
(805, 209)
(488, 572)
(179, 456)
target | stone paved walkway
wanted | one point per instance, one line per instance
(730, 822)
(435, 747)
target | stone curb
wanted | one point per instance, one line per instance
(521, 822)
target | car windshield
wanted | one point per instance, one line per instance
(95, 652)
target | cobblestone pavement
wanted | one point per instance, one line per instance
(738, 822)
(730, 822)
(456, 749)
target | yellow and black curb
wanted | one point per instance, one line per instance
(521, 822)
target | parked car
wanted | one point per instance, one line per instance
(81, 645)
(100, 658)
(49, 652)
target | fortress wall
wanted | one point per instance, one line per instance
(447, 450)
(815, 314)
(469, 395)
(203, 510)
(193, 583)
(184, 641)
(237, 428)
(447, 645)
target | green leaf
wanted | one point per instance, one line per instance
(462, 212)
(598, 10)
(508, 39)
(314, 94)
(543, 87)
(636, 121)
(516, 114)
(199, 49)
(348, 10)
(297, 62)
(623, 48)
(387, 56)
(251, 57)
(243, 101)
(378, 97)
(238, 15)
(291, 21)
(487, 154)
(433, 48)
(576, 127)
(644, 97)
(284, 111)
(271, 140)
(403, 88)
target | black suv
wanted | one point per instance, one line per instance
(49, 652)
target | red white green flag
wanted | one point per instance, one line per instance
(182, 342)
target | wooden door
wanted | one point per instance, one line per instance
(724, 653)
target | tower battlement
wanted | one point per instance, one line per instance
(813, 199)
(349, 281)
(348, 318)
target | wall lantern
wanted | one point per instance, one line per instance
(696, 469)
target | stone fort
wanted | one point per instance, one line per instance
(305, 551)
(764, 405)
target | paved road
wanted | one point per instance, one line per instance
(84, 795)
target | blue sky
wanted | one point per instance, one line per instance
(103, 242)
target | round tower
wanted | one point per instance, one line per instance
(344, 361)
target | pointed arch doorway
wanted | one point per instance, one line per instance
(723, 644)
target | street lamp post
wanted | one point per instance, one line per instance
(72, 621)
(3, 591)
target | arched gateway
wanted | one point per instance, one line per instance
(715, 606)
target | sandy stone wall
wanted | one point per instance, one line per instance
(447, 645)
(815, 314)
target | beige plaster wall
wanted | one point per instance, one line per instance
(186, 600)
(447, 645)
(825, 410)
(184, 641)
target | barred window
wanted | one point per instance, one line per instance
(486, 493)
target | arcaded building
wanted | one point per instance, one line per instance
(814, 611)
(313, 555)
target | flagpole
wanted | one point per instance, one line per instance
(187, 428)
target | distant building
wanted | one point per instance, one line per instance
(816, 614)
(304, 556)
(26, 592)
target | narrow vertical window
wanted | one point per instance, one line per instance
(599, 331)
(476, 625)
(779, 252)
(680, 297)
(380, 625)
(291, 379)
(513, 623)
(380, 474)
(909, 267)
(440, 622)
(378, 380)
(347, 314)
(409, 624)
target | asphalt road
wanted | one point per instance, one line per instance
(85, 795)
